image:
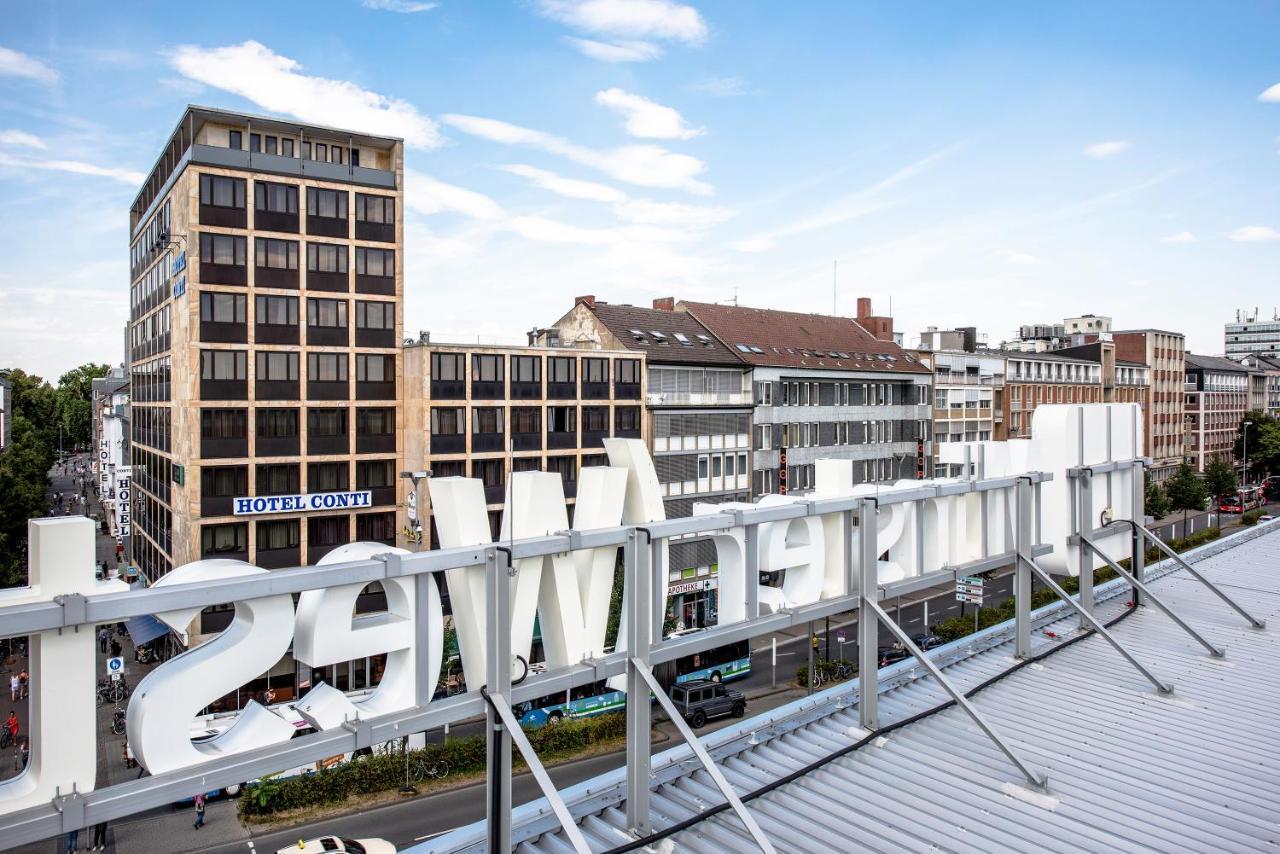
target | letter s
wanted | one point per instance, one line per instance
(168, 698)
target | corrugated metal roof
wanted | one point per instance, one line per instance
(1128, 769)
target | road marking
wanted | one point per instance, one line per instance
(430, 836)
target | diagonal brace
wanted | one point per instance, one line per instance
(1160, 544)
(502, 708)
(1035, 778)
(1216, 652)
(1162, 687)
(701, 752)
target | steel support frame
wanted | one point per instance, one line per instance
(703, 756)
(637, 568)
(868, 628)
(1022, 536)
(1033, 777)
(501, 706)
(1137, 549)
(498, 681)
(1216, 652)
(1084, 511)
(1092, 622)
(1168, 552)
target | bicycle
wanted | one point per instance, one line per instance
(112, 691)
(6, 738)
(421, 767)
(118, 722)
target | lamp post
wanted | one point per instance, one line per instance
(415, 503)
(1245, 439)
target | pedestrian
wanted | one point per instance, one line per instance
(24, 684)
(99, 836)
(14, 688)
(102, 640)
(116, 649)
(11, 724)
(199, 812)
(73, 841)
(26, 752)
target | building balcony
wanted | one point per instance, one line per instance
(527, 441)
(526, 391)
(375, 390)
(224, 333)
(322, 280)
(448, 443)
(595, 391)
(562, 439)
(328, 336)
(275, 333)
(276, 389)
(695, 398)
(562, 391)
(319, 444)
(278, 558)
(275, 277)
(448, 390)
(276, 446)
(223, 274)
(224, 389)
(327, 390)
(379, 443)
(222, 216)
(375, 337)
(487, 390)
(488, 442)
(325, 226)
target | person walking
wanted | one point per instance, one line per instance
(102, 640)
(116, 649)
(24, 684)
(199, 812)
(99, 837)
(11, 724)
(73, 842)
(14, 688)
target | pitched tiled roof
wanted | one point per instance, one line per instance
(1214, 363)
(791, 339)
(670, 337)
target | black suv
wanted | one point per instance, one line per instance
(700, 700)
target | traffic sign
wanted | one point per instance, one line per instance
(115, 665)
(968, 597)
(115, 677)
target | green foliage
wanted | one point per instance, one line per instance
(1185, 490)
(1156, 502)
(1251, 518)
(74, 403)
(615, 609)
(24, 470)
(1264, 443)
(822, 668)
(1220, 479)
(381, 773)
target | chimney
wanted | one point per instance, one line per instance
(589, 300)
(665, 303)
(879, 327)
(864, 308)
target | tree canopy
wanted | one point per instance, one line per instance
(1220, 478)
(1185, 490)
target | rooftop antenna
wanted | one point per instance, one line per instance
(735, 296)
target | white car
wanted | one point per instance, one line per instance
(324, 844)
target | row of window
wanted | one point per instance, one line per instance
(150, 336)
(148, 244)
(269, 310)
(486, 367)
(266, 143)
(324, 533)
(280, 365)
(151, 290)
(286, 478)
(149, 381)
(798, 393)
(228, 250)
(451, 420)
(221, 191)
(283, 423)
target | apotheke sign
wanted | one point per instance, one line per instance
(256, 506)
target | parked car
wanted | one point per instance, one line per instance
(1265, 517)
(324, 844)
(927, 642)
(700, 700)
(892, 654)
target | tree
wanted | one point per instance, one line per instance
(74, 398)
(1220, 479)
(24, 470)
(1185, 491)
(1155, 502)
(1263, 432)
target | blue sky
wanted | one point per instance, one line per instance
(983, 164)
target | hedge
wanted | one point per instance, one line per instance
(822, 668)
(380, 773)
(1250, 518)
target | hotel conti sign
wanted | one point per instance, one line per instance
(257, 506)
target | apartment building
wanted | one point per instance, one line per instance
(1268, 369)
(698, 416)
(110, 427)
(1252, 334)
(1164, 354)
(825, 388)
(486, 411)
(265, 323)
(1216, 395)
(1086, 374)
(968, 391)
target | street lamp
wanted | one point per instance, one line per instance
(1247, 424)
(415, 503)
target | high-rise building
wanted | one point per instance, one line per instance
(1251, 333)
(265, 324)
(1217, 397)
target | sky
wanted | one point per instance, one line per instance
(980, 164)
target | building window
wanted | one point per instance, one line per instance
(276, 311)
(377, 209)
(331, 204)
(627, 419)
(224, 539)
(224, 481)
(278, 534)
(278, 479)
(447, 367)
(224, 424)
(277, 423)
(374, 474)
(223, 365)
(595, 419)
(486, 368)
(566, 467)
(222, 249)
(486, 419)
(560, 369)
(446, 421)
(375, 315)
(221, 192)
(628, 371)
(526, 419)
(375, 262)
(271, 144)
(526, 369)
(275, 254)
(375, 422)
(374, 527)
(275, 198)
(328, 477)
(327, 423)
(327, 367)
(277, 367)
(222, 308)
(562, 419)
(325, 531)
(255, 142)
(595, 370)
(235, 140)
(326, 258)
(286, 147)
(375, 369)
(328, 313)
(488, 471)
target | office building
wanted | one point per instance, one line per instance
(825, 388)
(1269, 369)
(1164, 354)
(1085, 374)
(485, 411)
(968, 390)
(1216, 395)
(1251, 333)
(265, 324)
(698, 418)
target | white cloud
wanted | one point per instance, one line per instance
(22, 138)
(1180, 237)
(623, 51)
(644, 211)
(275, 83)
(428, 195)
(721, 87)
(645, 118)
(15, 64)
(643, 165)
(630, 19)
(405, 7)
(1011, 256)
(1111, 148)
(1272, 95)
(1254, 233)
(79, 167)
(569, 187)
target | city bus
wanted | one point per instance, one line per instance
(1248, 498)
